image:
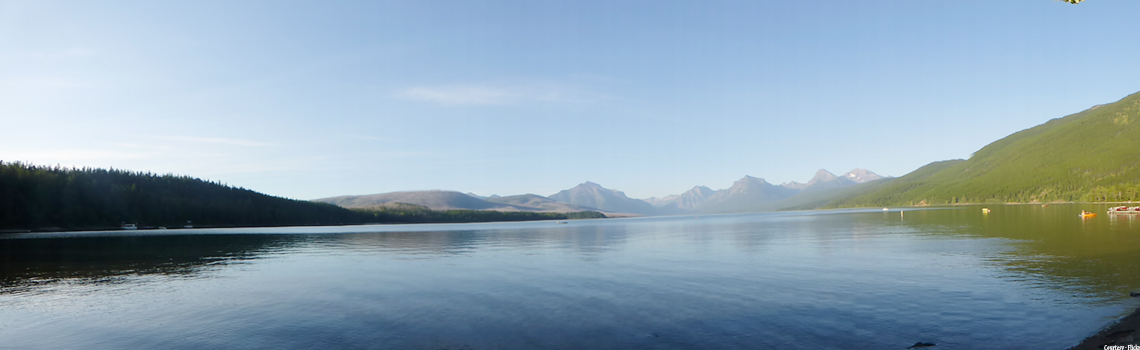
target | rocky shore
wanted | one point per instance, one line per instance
(1122, 334)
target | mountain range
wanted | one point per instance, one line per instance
(592, 195)
(747, 194)
(1090, 156)
(448, 200)
(1086, 156)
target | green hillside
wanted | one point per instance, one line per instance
(1088, 156)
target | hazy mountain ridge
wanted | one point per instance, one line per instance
(747, 194)
(751, 194)
(663, 201)
(861, 175)
(687, 202)
(449, 200)
(537, 202)
(434, 199)
(592, 195)
(825, 180)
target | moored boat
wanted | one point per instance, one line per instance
(1124, 210)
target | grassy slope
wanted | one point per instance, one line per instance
(1061, 160)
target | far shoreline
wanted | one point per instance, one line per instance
(176, 229)
(608, 216)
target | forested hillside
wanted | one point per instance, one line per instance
(1093, 155)
(37, 197)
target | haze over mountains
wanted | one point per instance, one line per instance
(447, 200)
(592, 195)
(747, 194)
(688, 201)
(1087, 156)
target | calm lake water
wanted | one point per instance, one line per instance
(1021, 277)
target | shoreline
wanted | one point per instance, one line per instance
(987, 203)
(608, 215)
(149, 228)
(1121, 333)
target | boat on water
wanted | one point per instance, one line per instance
(129, 227)
(1124, 210)
(985, 210)
(1087, 214)
(561, 222)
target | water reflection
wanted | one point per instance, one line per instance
(1094, 259)
(31, 264)
(589, 240)
(846, 279)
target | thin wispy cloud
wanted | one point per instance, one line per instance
(74, 155)
(460, 95)
(379, 138)
(474, 95)
(135, 145)
(307, 164)
(51, 54)
(216, 140)
(45, 83)
(76, 52)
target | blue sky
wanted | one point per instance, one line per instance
(317, 99)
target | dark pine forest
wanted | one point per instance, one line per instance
(38, 197)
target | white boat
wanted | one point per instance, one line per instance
(1124, 210)
(129, 227)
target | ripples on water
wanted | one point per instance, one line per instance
(1020, 277)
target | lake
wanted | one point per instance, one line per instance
(1020, 277)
